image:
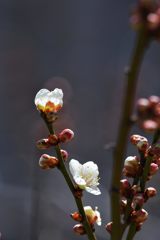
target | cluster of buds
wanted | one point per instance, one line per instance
(65, 136)
(135, 195)
(148, 113)
(48, 104)
(147, 15)
(46, 161)
(93, 216)
(134, 165)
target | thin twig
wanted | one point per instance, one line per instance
(143, 180)
(124, 128)
(72, 187)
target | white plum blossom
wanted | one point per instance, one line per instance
(93, 215)
(85, 175)
(49, 101)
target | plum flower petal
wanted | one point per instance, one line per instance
(49, 101)
(75, 167)
(85, 175)
(93, 190)
(93, 215)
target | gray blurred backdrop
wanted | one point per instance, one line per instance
(81, 46)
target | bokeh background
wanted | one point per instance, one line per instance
(81, 46)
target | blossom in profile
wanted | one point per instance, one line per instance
(85, 175)
(49, 101)
(93, 215)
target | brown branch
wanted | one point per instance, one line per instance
(124, 128)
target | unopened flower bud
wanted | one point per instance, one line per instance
(93, 216)
(131, 166)
(135, 189)
(49, 101)
(109, 227)
(138, 200)
(123, 204)
(153, 169)
(66, 135)
(76, 216)
(154, 100)
(157, 110)
(53, 139)
(150, 125)
(139, 216)
(154, 151)
(43, 144)
(140, 141)
(153, 21)
(150, 192)
(79, 229)
(46, 161)
(157, 161)
(142, 105)
(125, 188)
(64, 154)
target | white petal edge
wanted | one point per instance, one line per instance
(93, 190)
(40, 95)
(75, 167)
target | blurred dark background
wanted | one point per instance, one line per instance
(81, 47)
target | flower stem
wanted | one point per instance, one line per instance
(124, 128)
(72, 187)
(131, 232)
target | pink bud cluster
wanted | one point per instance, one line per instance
(133, 194)
(148, 111)
(147, 15)
(46, 161)
(134, 165)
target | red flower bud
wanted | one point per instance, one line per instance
(43, 144)
(153, 169)
(139, 216)
(123, 205)
(138, 200)
(125, 188)
(150, 192)
(142, 105)
(136, 189)
(154, 100)
(79, 229)
(46, 161)
(109, 227)
(66, 135)
(153, 21)
(157, 110)
(141, 142)
(76, 216)
(53, 139)
(149, 125)
(64, 154)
